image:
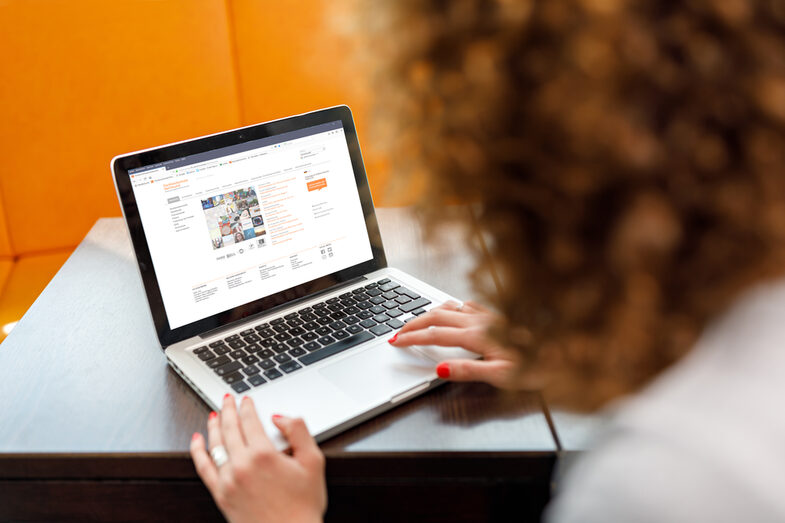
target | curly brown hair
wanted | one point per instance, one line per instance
(626, 158)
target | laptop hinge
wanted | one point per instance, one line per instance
(277, 308)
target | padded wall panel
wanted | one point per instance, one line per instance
(84, 80)
(292, 58)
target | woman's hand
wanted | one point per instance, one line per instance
(452, 326)
(258, 483)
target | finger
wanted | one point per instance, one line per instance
(473, 306)
(304, 447)
(441, 336)
(214, 430)
(251, 425)
(437, 317)
(495, 372)
(203, 462)
(230, 428)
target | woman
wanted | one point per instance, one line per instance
(627, 163)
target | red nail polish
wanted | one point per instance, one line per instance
(227, 395)
(196, 435)
(277, 416)
(213, 415)
(245, 398)
(443, 370)
(392, 340)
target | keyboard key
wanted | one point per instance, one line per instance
(323, 331)
(322, 312)
(237, 344)
(223, 349)
(332, 300)
(364, 315)
(267, 343)
(368, 323)
(351, 310)
(304, 310)
(404, 291)
(338, 315)
(217, 362)
(297, 352)
(377, 309)
(200, 350)
(418, 312)
(250, 360)
(237, 354)
(291, 316)
(351, 320)
(253, 347)
(278, 348)
(262, 327)
(267, 333)
(265, 354)
(374, 292)
(250, 370)
(267, 364)
(295, 322)
(240, 387)
(403, 299)
(282, 358)
(394, 324)
(364, 305)
(311, 325)
(277, 321)
(283, 336)
(388, 286)
(309, 336)
(378, 300)
(345, 295)
(414, 304)
(272, 374)
(326, 340)
(389, 305)
(312, 346)
(325, 320)
(290, 366)
(358, 290)
(280, 328)
(308, 317)
(206, 356)
(337, 325)
(371, 285)
(353, 329)
(246, 332)
(233, 378)
(381, 318)
(256, 380)
(393, 313)
(340, 334)
(253, 338)
(229, 368)
(382, 282)
(361, 297)
(335, 348)
(390, 295)
(216, 343)
(295, 342)
(296, 331)
(380, 329)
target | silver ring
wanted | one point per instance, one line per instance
(219, 455)
(459, 308)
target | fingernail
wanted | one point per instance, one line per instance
(245, 398)
(213, 415)
(443, 370)
(392, 340)
(196, 435)
(227, 395)
(277, 416)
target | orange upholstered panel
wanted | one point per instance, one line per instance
(291, 59)
(84, 80)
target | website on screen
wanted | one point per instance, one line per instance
(234, 225)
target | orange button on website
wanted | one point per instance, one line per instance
(315, 185)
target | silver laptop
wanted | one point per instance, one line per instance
(265, 273)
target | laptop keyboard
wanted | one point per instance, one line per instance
(266, 352)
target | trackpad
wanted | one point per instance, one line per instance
(379, 373)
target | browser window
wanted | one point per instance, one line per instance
(233, 225)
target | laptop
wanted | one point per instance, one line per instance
(261, 258)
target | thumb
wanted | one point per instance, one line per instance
(493, 372)
(304, 447)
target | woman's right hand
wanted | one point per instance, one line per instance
(450, 325)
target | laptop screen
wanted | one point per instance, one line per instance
(228, 226)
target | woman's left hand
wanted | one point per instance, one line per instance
(259, 483)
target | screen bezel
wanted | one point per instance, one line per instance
(121, 165)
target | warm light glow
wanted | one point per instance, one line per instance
(7, 327)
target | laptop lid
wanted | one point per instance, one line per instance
(234, 224)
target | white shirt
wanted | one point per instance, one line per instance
(705, 441)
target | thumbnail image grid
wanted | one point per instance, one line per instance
(235, 217)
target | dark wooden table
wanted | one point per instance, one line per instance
(96, 426)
